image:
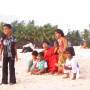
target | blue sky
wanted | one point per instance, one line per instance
(67, 14)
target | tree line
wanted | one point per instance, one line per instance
(29, 32)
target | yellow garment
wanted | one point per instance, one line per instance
(61, 60)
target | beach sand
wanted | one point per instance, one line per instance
(25, 81)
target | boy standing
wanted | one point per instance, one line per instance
(8, 48)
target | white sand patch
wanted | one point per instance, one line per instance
(25, 81)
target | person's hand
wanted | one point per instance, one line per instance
(0, 57)
(16, 59)
(38, 73)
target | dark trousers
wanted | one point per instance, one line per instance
(11, 62)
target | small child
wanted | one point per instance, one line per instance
(41, 65)
(71, 67)
(33, 62)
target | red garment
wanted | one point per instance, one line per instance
(51, 59)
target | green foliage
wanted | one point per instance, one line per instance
(86, 34)
(29, 32)
(74, 37)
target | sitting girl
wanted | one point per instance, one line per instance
(71, 67)
(41, 65)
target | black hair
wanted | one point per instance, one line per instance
(46, 42)
(60, 32)
(7, 25)
(35, 53)
(70, 50)
(56, 42)
(41, 54)
(82, 43)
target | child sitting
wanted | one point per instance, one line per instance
(33, 62)
(41, 65)
(71, 67)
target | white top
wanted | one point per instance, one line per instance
(73, 64)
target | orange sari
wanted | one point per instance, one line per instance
(62, 46)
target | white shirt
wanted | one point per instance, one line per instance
(73, 64)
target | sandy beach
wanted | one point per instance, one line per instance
(25, 81)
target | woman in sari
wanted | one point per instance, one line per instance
(63, 44)
(51, 57)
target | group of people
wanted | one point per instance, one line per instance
(58, 59)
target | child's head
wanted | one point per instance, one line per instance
(70, 52)
(34, 54)
(41, 56)
(7, 29)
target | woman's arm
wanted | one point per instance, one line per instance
(65, 43)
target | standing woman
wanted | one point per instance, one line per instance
(63, 44)
(8, 48)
